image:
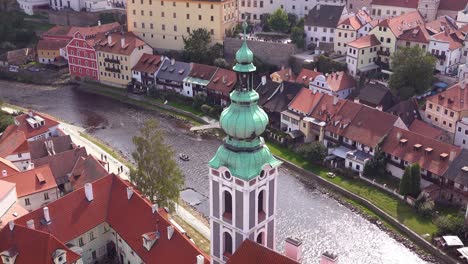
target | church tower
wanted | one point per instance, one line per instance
(243, 173)
(428, 9)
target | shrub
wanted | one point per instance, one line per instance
(450, 224)
(206, 109)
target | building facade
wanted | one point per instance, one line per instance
(362, 55)
(461, 133)
(242, 197)
(82, 58)
(163, 24)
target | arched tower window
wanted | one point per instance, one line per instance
(261, 206)
(227, 243)
(227, 205)
(260, 238)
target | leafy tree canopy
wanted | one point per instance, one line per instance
(279, 21)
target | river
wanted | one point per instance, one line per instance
(303, 211)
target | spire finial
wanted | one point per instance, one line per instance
(244, 27)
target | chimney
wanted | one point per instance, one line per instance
(88, 188)
(172, 61)
(30, 224)
(11, 224)
(154, 208)
(99, 22)
(170, 232)
(122, 42)
(328, 258)
(452, 155)
(200, 259)
(31, 113)
(335, 100)
(293, 249)
(224, 79)
(398, 135)
(129, 192)
(264, 80)
(282, 67)
(318, 7)
(46, 215)
(109, 39)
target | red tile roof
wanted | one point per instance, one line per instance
(355, 22)
(452, 5)
(286, 75)
(423, 128)
(148, 63)
(131, 42)
(9, 167)
(38, 148)
(449, 37)
(398, 25)
(440, 24)
(417, 34)
(343, 117)
(250, 252)
(73, 215)
(12, 142)
(454, 98)
(328, 107)
(223, 81)
(306, 76)
(397, 3)
(201, 71)
(364, 42)
(14, 212)
(51, 44)
(67, 32)
(87, 169)
(338, 81)
(432, 161)
(29, 131)
(305, 101)
(33, 181)
(32, 246)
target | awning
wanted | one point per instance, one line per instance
(369, 68)
(295, 134)
(452, 241)
(340, 152)
(463, 251)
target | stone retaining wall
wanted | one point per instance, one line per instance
(441, 256)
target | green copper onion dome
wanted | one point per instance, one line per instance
(244, 56)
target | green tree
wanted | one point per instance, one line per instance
(405, 182)
(376, 167)
(5, 119)
(326, 65)
(222, 63)
(196, 46)
(314, 152)
(264, 22)
(156, 175)
(278, 21)
(297, 37)
(450, 224)
(413, 71)
(292, 19)
(415, 180)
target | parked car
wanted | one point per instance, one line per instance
(13, 68)
(33, 69)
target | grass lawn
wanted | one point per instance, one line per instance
(391, 205)
(199, 239)
(106, 148)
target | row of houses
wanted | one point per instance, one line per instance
(369, 43)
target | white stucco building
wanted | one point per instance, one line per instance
(461, 133)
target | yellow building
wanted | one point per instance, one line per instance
(117, 54)
(163, 24)
(347, 30)
(48, 50)
(389, 30)
(362, 55)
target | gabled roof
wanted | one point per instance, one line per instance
(453, 5)
(51, 44)
(223, 81)
(33, 181)
(397, 3)
(375, 94)
(6, 165)
(358, 20)
(306, 76)
(305, 101)
(281, 99)
(458, 169)
(398, 25)
(423, 128)
(338, 81)
(285, 75)
(148, 63)
(266, 91)
(29, 131)
(417, 34)
(364, 42)
(202, 72)
(441, 24)
(250, 252)
(454, 98)
(87, 169)
(38, 148)
(172, 70)
(62, 164)
(328, 107)
(120, 43)
(12, 142)
(342, 118)
(449, 37)
(67, 32)
(324, 16)
(407, 110)
(32, 246)
(430, 161)
(73, 215)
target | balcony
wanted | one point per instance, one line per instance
(383, 53)
(114, 70)
(440, 56)
(109, 60)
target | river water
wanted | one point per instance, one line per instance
(303, 211)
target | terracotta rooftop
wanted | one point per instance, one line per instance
(12, 142)
(51, 44)
(28, 130)
(8, 167)
(417, 34)
(338, 81)
(203, 72)
(33, 181)
(449, 37)
(286, 75)
(441, 24)
(250, 252)
(32, 246)
(328, 107)
(453, 5)
(129, 217)
(306, 76)
(148, 63)
(50, 146)
(223, 81)
(305, 101)
(436, 161)
(397, 3)
(398, 25)
(122, 44)
(357, 20)
(68, 32)
(364, 42)
(14, 212)
(454, 98)
(423, 128)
